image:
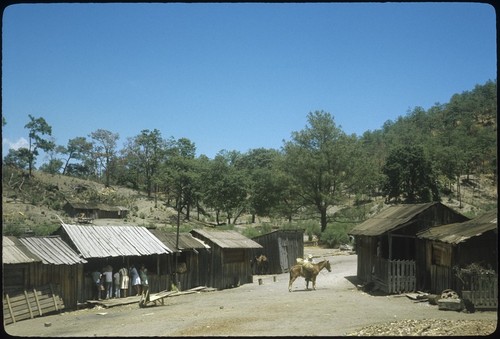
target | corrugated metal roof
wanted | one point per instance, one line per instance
(228, 239)
(186, 240)
(459, 232)
(14, 252)
(114, 241)
(52, 250)
(389, 219)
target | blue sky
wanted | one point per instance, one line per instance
(235, 76)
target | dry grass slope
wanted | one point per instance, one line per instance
(36, 204)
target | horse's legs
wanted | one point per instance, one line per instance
(314, 283)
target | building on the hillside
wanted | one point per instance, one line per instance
(94, 210)
(230, 257)
(453, 247)
(120, 246)
(80, 209)
(282, 248)
(386, 244)
(191, 258)
(111, 212)
(32, 262)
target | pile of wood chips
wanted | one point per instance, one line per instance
(430, 327)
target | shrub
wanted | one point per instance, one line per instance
(334, 236)
(250, 232)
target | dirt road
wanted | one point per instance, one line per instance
(335, 308)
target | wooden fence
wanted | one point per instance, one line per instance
(481, 290)
(401, 276)
(396, 276)
(30, 304)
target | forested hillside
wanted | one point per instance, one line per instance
(322, 179)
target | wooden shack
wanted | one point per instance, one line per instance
(119, 246)
(42, 272)
(18, 265)
(230, 257)
(282, 248)
(191, 258)
(451, 248)
(386, 244)
(94, 210)
(60, 266)
(79, 209)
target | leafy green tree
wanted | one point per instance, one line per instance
(19, 158)
(318, 159)
(370, 158)
(288, 191)
(258, 166)
(181, 175)
(144, 154)
(37, 128)
(52, 167)
(77, 149)
(225, 189)
(410, 175)
(104, 151)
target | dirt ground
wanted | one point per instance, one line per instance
(336, 308)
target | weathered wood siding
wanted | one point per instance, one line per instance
(281, 248)
(366, 250)
(197, 269)
(68, 279)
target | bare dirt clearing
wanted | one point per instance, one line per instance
(336, 308)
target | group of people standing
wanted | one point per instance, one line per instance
(109, 284)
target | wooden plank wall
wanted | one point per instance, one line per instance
(441, 279)
(68, 278)
(32, 303)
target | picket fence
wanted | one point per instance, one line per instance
(482, 290)
(396, 276)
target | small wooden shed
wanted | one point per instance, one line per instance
(191, 258)
(282, 248)
(386, 244)
(119, 246)
(76, 209)
(18, 263)
(33, 262)
(94, 210)
(452, 247)
(230, 257)
(61, 266)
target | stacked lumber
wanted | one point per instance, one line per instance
(32, 303)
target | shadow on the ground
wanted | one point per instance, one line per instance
(368, 288)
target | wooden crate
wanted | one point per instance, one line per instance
(30, 304)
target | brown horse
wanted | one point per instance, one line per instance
(309, 274)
